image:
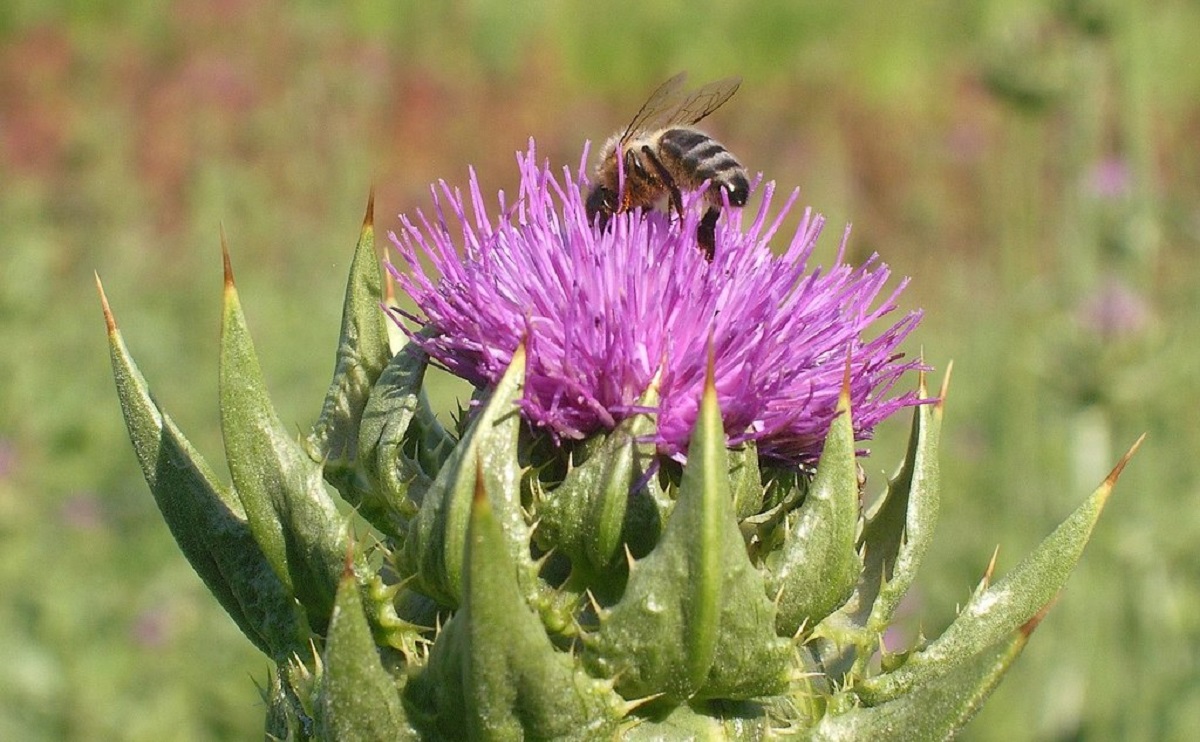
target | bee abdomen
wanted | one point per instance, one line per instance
(707, 159)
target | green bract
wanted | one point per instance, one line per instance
(514, 589)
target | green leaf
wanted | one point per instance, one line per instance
(362, 353)
(379, 487)
(381, 603)
(585, 517)
(401, 441)
(292, 711)
(995, 611)
(493, 673)
(704, 721)
(285, 719)
(206, 520)
(427, 444)
(746, 483)
(935, 710)
(289, 512)
(894, 540)
(900, 528)
(694, 621)
(816, 569)
(359, 699)
(434, 548)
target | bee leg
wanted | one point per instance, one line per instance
(706, 233)
(667, 180)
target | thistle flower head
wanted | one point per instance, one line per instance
(604, 313)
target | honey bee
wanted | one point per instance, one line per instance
(661, 154)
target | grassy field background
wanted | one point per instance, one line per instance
(1033, 166)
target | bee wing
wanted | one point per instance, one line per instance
(663, 102)
(699, 103)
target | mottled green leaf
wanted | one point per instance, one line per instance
(433, 550)
(703, 721)
(380, 485)
(694, 621)
(896, 535)
(362, 353)
(493, 673)
(289, 512)
(206, 519)
(291, 712)
(900, 528)
(427, 444)
(934, 710)
(284, 720)
(818, 565)
(359, 699)
(995, 611)
(745, 476)
(585, 516)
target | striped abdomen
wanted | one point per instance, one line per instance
(694, 157)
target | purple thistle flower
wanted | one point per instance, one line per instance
(603, 312)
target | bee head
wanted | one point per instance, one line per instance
(601, 202)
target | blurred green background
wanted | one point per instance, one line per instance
(1032, 165)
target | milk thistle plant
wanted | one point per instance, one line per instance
(647, 523)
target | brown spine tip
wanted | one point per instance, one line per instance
(110, 322)
(369, 218)
(991, 568)
(228, 266)
(945, 384)
(1115, 474)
